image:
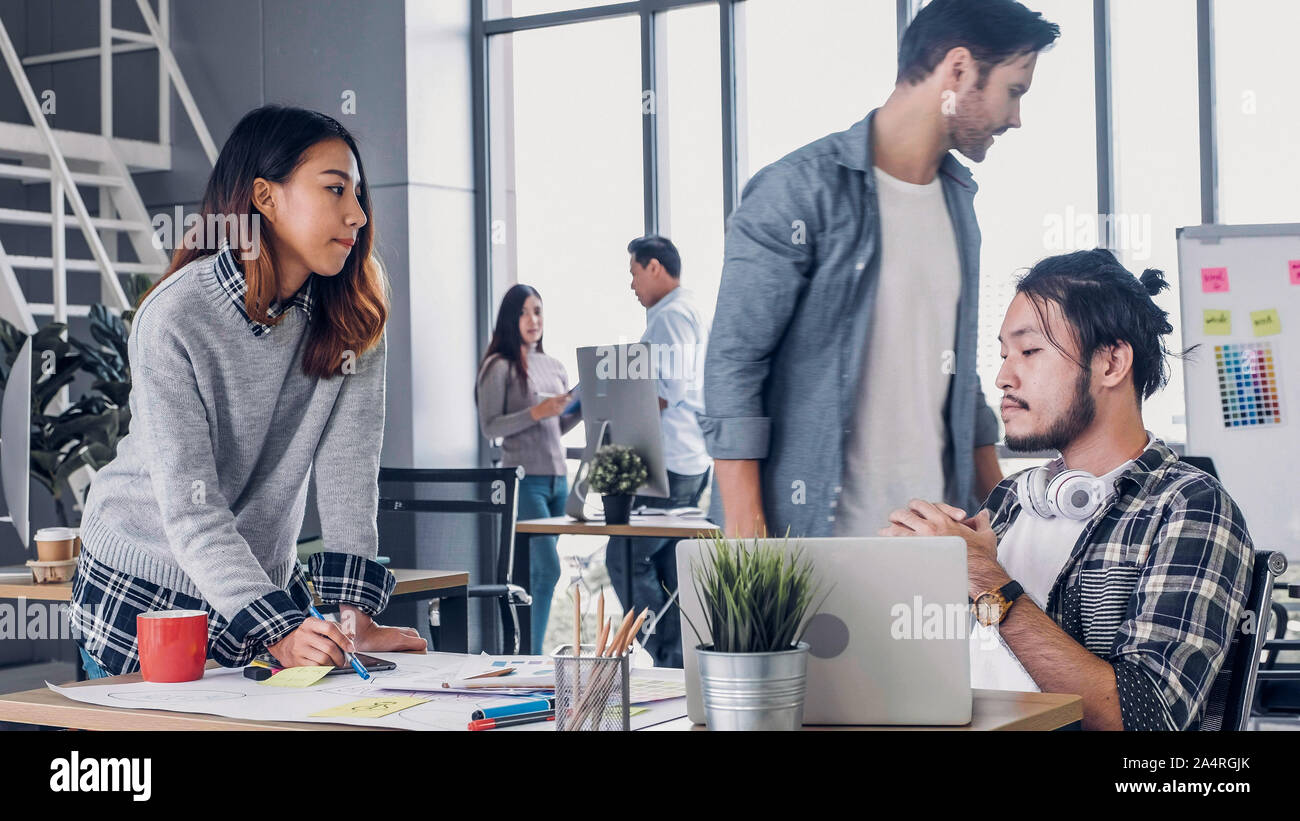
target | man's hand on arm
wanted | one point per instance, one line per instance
(742, 497)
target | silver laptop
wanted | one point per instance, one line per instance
(889, 644)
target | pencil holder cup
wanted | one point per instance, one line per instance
(591, 693)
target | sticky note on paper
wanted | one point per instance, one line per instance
(1266, 323)
(1214, 280)
(1217, 322)
(297, 677)
(1294, 267)
(370, 707)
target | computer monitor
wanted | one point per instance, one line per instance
(620, 406)
(16, 441)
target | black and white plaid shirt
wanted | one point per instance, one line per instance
(232, 282)
(105, 602)
(1156, 585)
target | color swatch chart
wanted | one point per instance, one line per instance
(1248, 389)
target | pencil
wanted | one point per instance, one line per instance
(636, 625)
(600, 607)
(604, 634)
(622, 629)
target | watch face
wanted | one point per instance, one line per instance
(988, 610)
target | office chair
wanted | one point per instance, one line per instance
(1278, 692)
(499, 500)
(1228, 706)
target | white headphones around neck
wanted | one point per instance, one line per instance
(1071, 494)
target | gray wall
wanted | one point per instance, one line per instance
(407, 61)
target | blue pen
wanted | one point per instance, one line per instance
(356, 665)
(531, 705)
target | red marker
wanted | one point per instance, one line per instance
(510, 721)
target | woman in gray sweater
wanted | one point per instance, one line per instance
(522, 394)
(256, 360)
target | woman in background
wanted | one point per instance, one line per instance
(521, 395)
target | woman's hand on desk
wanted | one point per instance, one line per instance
(377, 638)
(550, 406)
(316, 643)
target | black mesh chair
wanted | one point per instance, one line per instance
(1228, 706)
(1278, 692)
(495, 495)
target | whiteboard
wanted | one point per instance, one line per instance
(1256, 453)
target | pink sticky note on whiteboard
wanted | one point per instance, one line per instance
(1215, 280)
(1294, 266)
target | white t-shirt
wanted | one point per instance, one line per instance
(895, 450)
(1033, 551)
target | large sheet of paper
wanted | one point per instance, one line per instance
(226, 692)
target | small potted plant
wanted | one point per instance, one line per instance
(616, 472)
(757, 602)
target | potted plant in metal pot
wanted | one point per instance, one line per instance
(757, 601)
(616, 472)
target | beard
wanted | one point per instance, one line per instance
(968, 133)
(1067, 426)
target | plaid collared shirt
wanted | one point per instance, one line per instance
(105, 602)
(1156, 585)
(232, 282)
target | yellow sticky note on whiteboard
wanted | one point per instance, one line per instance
(370, 707)
(1266, 323)
(1217, 322)
(297, 677)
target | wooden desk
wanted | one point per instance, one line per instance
(653, 527)
(412, 585)
(990, 710)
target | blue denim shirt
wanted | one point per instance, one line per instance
(790, 330)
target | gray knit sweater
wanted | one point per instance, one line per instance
(207, 493)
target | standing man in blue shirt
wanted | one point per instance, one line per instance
(842, 366)
(678, 339)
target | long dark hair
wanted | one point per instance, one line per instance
(506, 340)
(350, 308)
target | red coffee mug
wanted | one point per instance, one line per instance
(173, 644)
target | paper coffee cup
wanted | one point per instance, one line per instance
(55, 544)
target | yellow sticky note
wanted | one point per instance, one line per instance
(370, 707)
(1266, 323)
(1217, 322)
(297, 676)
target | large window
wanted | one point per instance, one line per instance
(568, 170)
(1258, 114)
(690, 111)
(810, 68)
(1156, 150)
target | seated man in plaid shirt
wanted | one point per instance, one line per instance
(1117, 572)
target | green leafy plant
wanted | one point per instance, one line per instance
(756, 598)
(617, 469)
(86, 432)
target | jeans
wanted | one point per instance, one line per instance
(654, 571)
(541, 497)
(92, 668)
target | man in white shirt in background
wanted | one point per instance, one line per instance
(678, 337)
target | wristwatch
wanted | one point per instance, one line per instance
(991, 607)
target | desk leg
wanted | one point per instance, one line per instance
(454, 629)
(520, 577)
(627, 581)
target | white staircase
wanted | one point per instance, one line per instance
(75, 164)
